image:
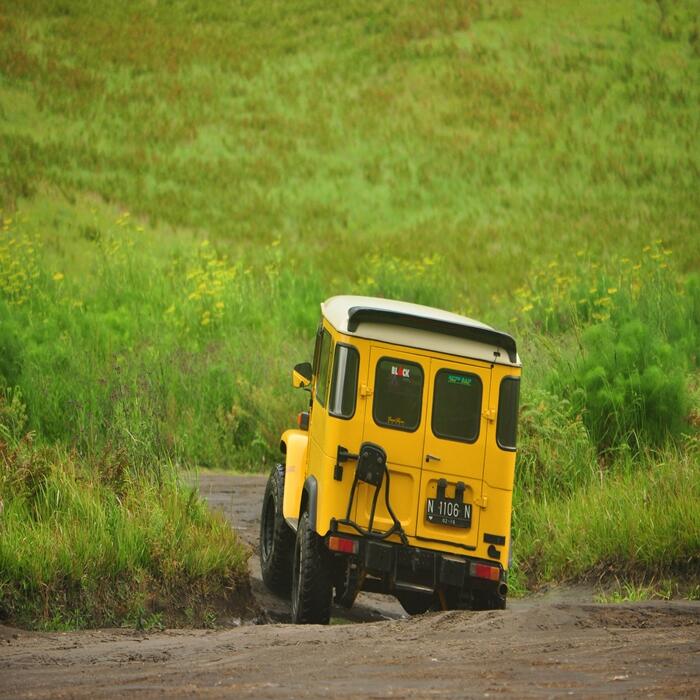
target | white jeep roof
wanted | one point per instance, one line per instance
(417, 326)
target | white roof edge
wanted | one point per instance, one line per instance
(337, 311)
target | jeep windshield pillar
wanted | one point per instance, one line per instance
(400, 478)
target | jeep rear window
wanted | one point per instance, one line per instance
(398, 393)
(507, 423)
(324, 358)
(344, 385)
(457, 405)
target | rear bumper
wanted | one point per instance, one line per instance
(390, 566)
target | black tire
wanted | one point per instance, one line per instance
(312, 581)
(276, 537)
(415, 603)
(488, 601)
(346, 590)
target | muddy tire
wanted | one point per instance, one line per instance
(276, 537)
(348, 587)
(312, 581)
(415, 603)
(488, 601)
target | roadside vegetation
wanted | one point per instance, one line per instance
(181, 185)
(94, 542)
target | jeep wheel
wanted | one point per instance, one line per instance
(276, 537)
(488, 601)
(312, 583)
(347, 588)
(415, 603)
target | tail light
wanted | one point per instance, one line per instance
(343, 544)
(490, 573)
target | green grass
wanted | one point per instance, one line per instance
(505, 134)
(655, 589)
(181, 184)
(96, 544)
(639, 521)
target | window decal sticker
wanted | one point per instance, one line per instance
(459, 379)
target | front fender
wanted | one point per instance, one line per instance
(295, 443)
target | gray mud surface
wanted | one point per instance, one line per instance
(557, 645)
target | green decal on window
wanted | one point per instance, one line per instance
(459, 379)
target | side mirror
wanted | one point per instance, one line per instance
(301, 375)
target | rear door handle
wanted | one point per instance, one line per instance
(431, 458)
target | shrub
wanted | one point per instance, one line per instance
(629, 385)
(636, 328)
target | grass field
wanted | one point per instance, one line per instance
(182, 183)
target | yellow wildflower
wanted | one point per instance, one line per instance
(57, 276)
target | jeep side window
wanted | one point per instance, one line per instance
(322, 372)
(457, 405)
(507, 424)
(344, 385)
(317, 349)
(398, 394)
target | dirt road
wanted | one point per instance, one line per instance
(541, 647)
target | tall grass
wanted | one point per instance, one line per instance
(639, 521)
(158, 356)
(98, 543)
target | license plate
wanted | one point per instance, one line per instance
(448, 511)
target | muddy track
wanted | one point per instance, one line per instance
(541, 647)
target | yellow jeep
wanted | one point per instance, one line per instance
(400, 476)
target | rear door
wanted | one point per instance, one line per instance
(453, 455)
(395, 419)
